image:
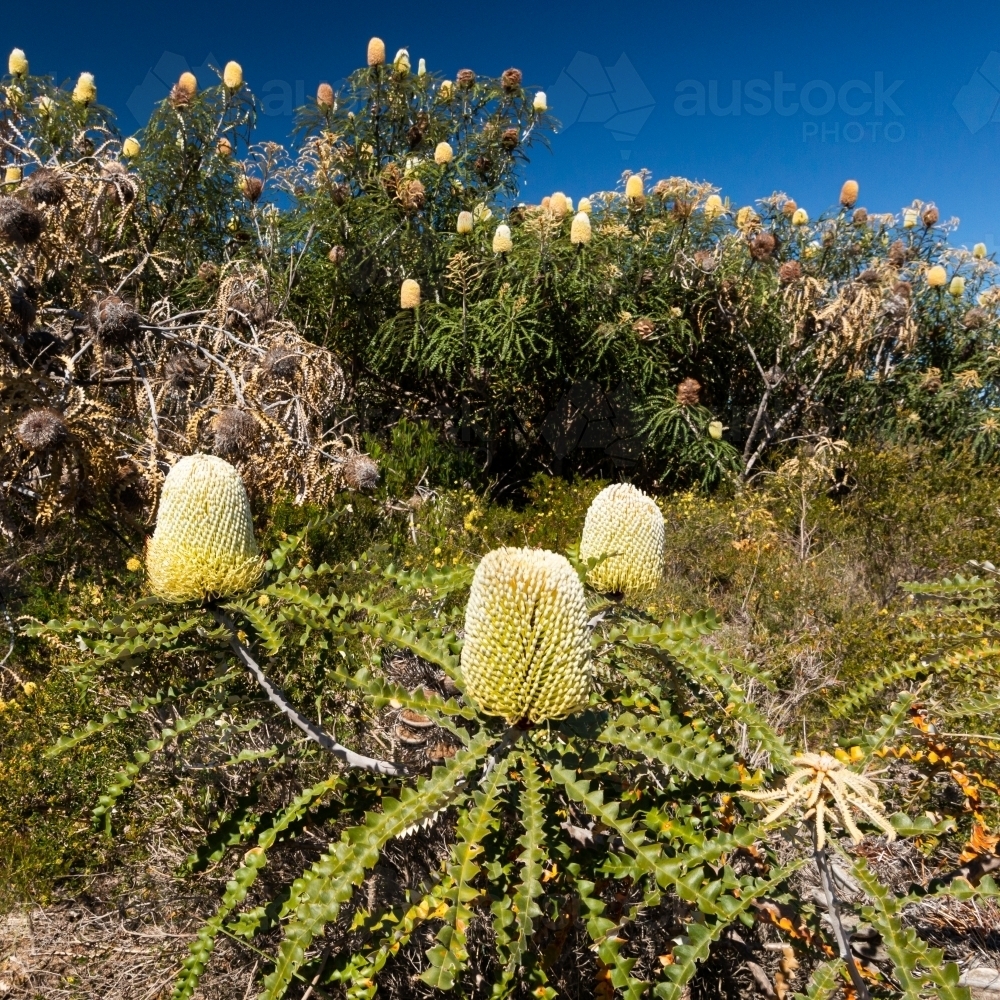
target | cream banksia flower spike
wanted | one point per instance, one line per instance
(464, 223)
(232, 76)
(624, 525)
(826, 788)
(131, 148)
(17, 63)
(376, 52)
(203, 546)
(409, 294)
(540, 103)
(580, 231)
(526, 655)
(502, 242)
(443, 153)
(85, 91)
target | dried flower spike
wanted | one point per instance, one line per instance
(624, 528)
(526, 655)
(203, 546)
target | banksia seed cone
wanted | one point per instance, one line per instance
(361, 473)
(183, 370)
(644, 328)
(131, 148)
(937, 276)
(203, 546)
(409, 294)
(715, 430)
(897, 254)
(232, 76)
(762, 246)
(634, 188)
(236, 434)
(376, 52)
(45, 187)
(930, 216)
(713, 207)
(114, 322)
(502, 243)
(584, 206)
(443, 153)
(17, 63)
(390, 178)
(849, 194)
(626, 526)
(860, 216)
(281, 362)
(339, 194)
(208, 271)
(19, 224)
(800, 217)
(465, 78)
(540, 103)
(411, 194)
(336, 254)
(688, 392)
(790, 271)
(580, 231)
(41, 430)
(526, 655)
(252, 188)
(957, 287)
(510, 79)
(510, 139)
(464, 223)
(979, 251)
(324, 95)
(789, 207)
(975, 319)
(903, 289)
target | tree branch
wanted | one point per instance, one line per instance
(316, 733)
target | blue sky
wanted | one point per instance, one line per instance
(861, 90)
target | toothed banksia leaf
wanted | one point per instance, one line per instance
(526, 652)
(624, 528)
(203, 545)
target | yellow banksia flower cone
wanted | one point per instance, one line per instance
(624, 525)
(464, 222)
(502, 242)
(634, 188)
(540, 103)
(584, 206)
(130, 148)
(12, 175)
(849, 194)
(957, 286)
(800, 217)
(17, 63)
(85, 91)
(979, 251)
(232, 76)
(446, 90)
(526, 655)
(409, 294)
(937, 277)
(713, 207)
(443, 153)
(376, 52)
(580, 231)
(715, 430)
(558, 204)
(203, 546)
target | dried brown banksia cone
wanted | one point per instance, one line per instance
(281, 362)
(45, 187)
(390, 177)
(208, 271)
(762, 246)
(930, 216)
(510, 139)
(41, 430)
(361, 473)
(182, 370)
(252, 188)
(860, 216)
(411, 194)
(688, 392)
(897, 254)
(790, 271)
(19, 224)
(235, 433)
(114, 322)
(336, 254)
(510, 80)
(465, 78)
(644, 328)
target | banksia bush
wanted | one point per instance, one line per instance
(526, 652)
(849, 194)
(580, 232)
(409, 294)
(502, 242)
(203, 546)
(624, 525)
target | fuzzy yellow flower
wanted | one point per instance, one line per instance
(409, 294)
(937, 277)
(130, 148)
(446, 90)
(526, 655)
(502, 242)
(584, 206)
(558, 204)
(401, 64)
(232, 76)
(957, 287)
(715, 430)
(979, 251)
(85, 91)
(634, 188)
(849, 194)
(800, 217)
(910, 216)
(541, 102)
(580, 231)
(12, 175)
(134, 564)
(443, 153)
(464, 223)
(624, 526)
(376, 52)
(713, 207)
(203, 545)
(746, 218)
(17, 63)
